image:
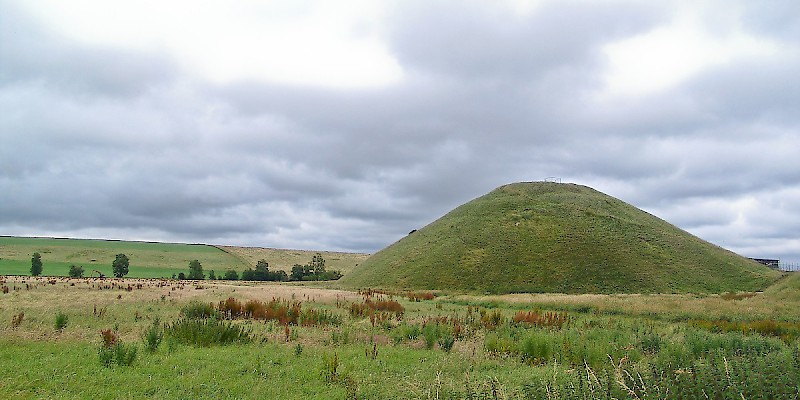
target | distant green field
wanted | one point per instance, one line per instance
(147, 260)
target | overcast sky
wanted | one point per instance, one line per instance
(344, 125)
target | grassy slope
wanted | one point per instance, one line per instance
(281, 259)
(147, 260)
(151, 260)
(548, 237)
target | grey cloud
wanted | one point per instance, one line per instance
(488, 98)
(473, 42)
(777, 18)
(31, 54)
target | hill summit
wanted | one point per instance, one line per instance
(540, 237)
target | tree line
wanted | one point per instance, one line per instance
(313, 271)
(119, 266)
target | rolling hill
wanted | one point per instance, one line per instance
(150, 259)
(552, 237)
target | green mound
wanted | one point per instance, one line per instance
(552, 237)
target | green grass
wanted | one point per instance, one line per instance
(592, 354)
(284, 259)
(151, 260)
(556, 238)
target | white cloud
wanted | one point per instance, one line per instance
(343, 125)
(672, 53)
(305, 43)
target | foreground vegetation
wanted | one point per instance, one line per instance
(111, 338)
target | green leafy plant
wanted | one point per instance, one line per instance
(36, 264)
(206, 332)
(120, 265)
(198, 310)
(430, 332)
(446, 341)
(330, 368)
(152, 336)
(76, 271)
(61, 321)
(405, 332)
(113, 351)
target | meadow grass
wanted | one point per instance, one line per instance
(449, 347)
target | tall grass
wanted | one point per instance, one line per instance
(153, 335)
(61, 321)
(205, 333)
(113, 351)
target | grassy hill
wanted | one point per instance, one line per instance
(551, 237)
(283, 259)
(150, 260)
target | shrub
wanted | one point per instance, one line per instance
(36, 264)
(547, 319)
(113, 351)
(109, 337)
(195, 271)
(405, 332)
(651, 342)
(492, 320)
(249, 275)
(282, 311)
(500, 342)
(231, 275)
(369, 308)
(61, 321)
(330, 368)
(198, 310)
(430, 332)
(16, 320)
(788, 331)
(206, 332)
(152, 336)
(446, 341)
(311, 317)
(120, 354)
(418, 296)
(230, 308)
(538, 348)
(120, 265)
(75, 271)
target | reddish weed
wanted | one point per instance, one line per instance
(109, 338)
(547, 319)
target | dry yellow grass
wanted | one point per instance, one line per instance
(93, 303)
(677, 306)
(281, 259)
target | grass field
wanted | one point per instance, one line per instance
(284, 259)
(449, 346)
(150, 260)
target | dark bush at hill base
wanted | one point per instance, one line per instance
(562, 238)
